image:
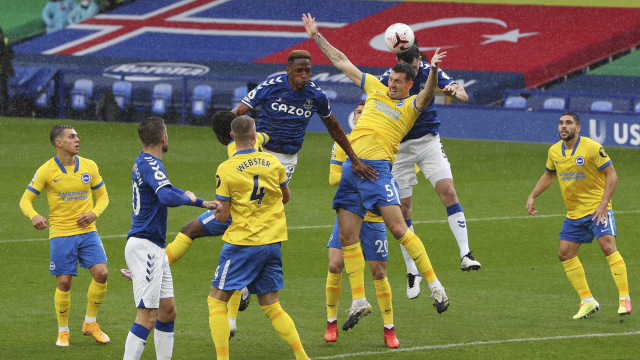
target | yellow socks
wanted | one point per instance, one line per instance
(281, 321)
(383, 294)
(619, 272)
(415, 248)
(234, 304)
(334, 290)
(95, 296)
(178, 247)
(62, 300)
(575, 273)
(354, 264)
(219, 326)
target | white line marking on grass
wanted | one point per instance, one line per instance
(331, 226)
(476, 343)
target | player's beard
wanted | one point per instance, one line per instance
(570, 135)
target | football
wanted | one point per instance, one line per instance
(399, 37)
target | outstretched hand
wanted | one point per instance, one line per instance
(310, 24)
(437, 58)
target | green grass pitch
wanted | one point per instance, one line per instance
(519, 305)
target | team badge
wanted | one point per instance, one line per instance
(308, 104)
(579, 161)
(52, 266)
(86, 178)
(400, 104)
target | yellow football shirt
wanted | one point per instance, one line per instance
(261, 140)
(250, 180)
(384, 122)
(580, 175)
(69, 193)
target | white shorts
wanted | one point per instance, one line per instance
(426, 152)
(288, 161)
(150, 272)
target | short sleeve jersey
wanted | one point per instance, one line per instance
(69, 193)
(580, 175)
(250, 180)
(427, 122)
(383, 123)
(149, 215)
(261, 140)
(285, 113)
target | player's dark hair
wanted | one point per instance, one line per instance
(221, 125)
(361, 103)
(151, 130)
(57, 132)
(575, 117)
(406, 69)
(242, 127)
(408, 56)
(298, 54)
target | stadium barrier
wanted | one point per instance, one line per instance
(574, 101)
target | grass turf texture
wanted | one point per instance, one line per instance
(519, 304)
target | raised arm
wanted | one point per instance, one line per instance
(426, 94)
(338, 59)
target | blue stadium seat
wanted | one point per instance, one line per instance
(637, 108)
(238, 94)
(602, 105)
(44, 96)
(363, 97)
(161, 98)
(81, 94)
(122, 93)
(516, 102)
(554, 104)
(201, 100)
(332, 95)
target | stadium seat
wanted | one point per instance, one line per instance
(363, 97)
(332, 95)
(238, 94)
(161, 98)
(554, 104)
(201, 100)
(81, 94)
(602, 105)
(637, 108)
(515, 102)
(44, 96)
(122, 93)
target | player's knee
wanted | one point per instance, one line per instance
(378, 272)
(101, 276)
(192, 229)
(335, 267)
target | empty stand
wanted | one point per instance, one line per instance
(637, 108)
(516, 102)
(554, 103)
(602, 106)
(122, 93)
(331, 94)
(201, 100)
(81, 94)
(238, 94)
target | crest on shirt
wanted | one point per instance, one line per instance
(86, 178)
(308, 104)
(400, 104)
(579, 161)
(602, 153)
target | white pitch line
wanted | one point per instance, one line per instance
(476, 343)
(331, 226)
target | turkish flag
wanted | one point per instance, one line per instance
(541, 42)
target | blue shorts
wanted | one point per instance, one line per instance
(373, 236)
(66, 251)
(211, 226)
(359, 195)
(584, 230)
(259, 268)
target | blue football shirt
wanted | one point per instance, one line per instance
(149, 215)
(285, 113)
